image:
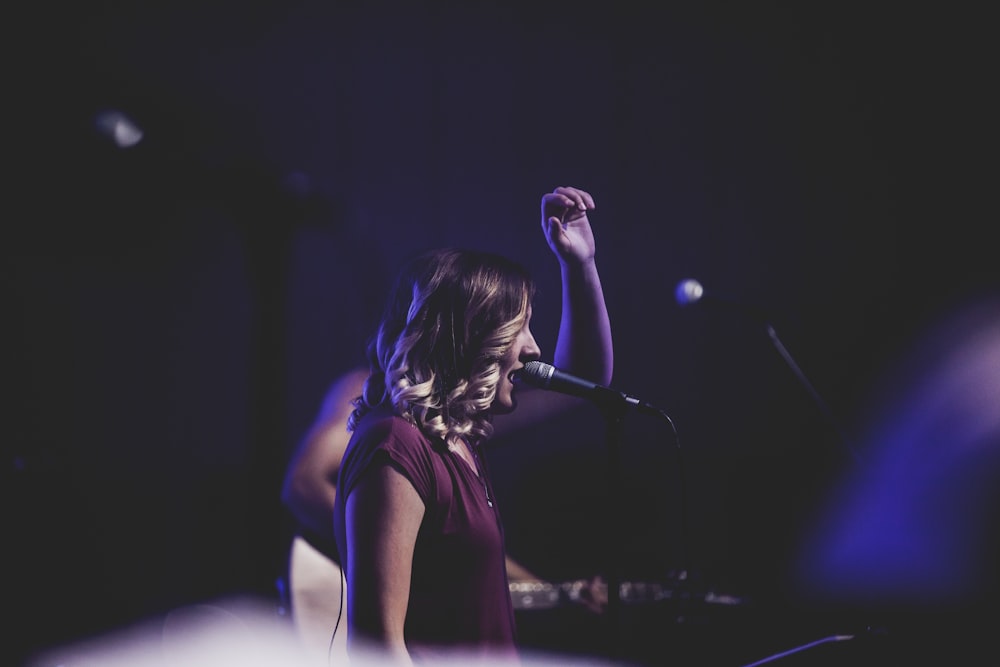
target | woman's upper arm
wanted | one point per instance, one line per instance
(384, 512)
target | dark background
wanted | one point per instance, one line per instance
(175, 311)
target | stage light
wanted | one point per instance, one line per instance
(118, 127)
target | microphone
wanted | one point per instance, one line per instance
(545, 376)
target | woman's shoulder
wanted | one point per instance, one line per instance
(391, 438)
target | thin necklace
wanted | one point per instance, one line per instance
(482, 475)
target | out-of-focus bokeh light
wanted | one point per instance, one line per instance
(916, 526)
(118, 127)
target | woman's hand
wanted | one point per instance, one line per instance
(566, 226)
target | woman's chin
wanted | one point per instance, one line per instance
(503, 407)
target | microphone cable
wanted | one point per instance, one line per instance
(340, 614)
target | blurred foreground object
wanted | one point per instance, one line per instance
(917, 527)
(910, 542)
(245, 632)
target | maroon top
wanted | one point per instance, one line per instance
(459, 597)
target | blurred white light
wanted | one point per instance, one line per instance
(119, 128)
(688, 291)
(240, 631)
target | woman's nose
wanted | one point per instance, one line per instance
(531, 351)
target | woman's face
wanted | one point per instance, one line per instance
(523, 350)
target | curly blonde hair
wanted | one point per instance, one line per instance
(451, 317)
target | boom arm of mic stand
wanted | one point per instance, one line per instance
(824, 408)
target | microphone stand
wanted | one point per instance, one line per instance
(612, 405)
(615, 420)
(614, 415)
(691, 294)
(832, 422)
(817, 399)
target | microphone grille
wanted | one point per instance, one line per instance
(688, 291)
(537, 372)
